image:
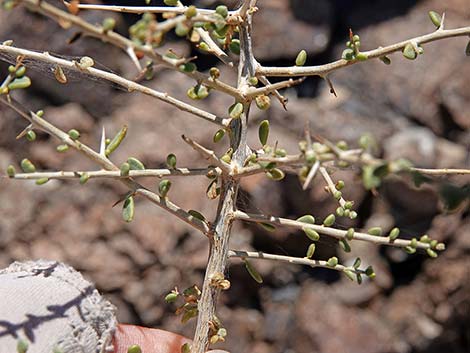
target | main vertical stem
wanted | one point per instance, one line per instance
(219, 241)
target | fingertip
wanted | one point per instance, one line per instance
(150, 340)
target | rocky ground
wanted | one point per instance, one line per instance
(418, 110)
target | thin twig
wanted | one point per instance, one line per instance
(322, 70)
(164, 203)
(124, 43)
(311, 174)
(331, 185)
(115, 174)
(332, 232)
(253, 92)
(143, 9)
(111, 77)
(290, 259)
(208, 154)
(215, 49)
(443, 171)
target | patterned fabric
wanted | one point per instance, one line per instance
(53, 308)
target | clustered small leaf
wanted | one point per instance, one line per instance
(301, 58)
(435, 18)
(310, 250)
(219, 135)
(128, 209)
(163, 187)
(171, 161)
(312, 234)
(116, 141)
(329, 220)
(263, 132)
(135, 348)
(253, 272)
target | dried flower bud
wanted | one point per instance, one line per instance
(30, 136)
(263, 101)
(11, 171)
(135, 348)
(20, 83)
(329, 220)
(301, 58)
(86, 62)
(27, 166)
(214, 72)
(135, 164)
(440, 246)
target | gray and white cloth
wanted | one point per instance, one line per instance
(54, 309)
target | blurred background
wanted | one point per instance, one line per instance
(416, 110)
